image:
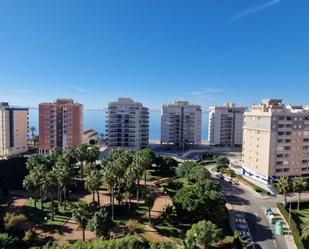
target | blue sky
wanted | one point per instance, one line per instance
(155, 51)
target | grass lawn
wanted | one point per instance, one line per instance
(123, 213)
(151, 177)
(37, 215)
(173, 185)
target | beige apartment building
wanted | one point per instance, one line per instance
(181, 124)
(13, 130)
(275, 141)
(127, 124)
(226, 125)
(60, 125)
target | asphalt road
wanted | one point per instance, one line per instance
(253, 208)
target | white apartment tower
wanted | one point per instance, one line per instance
(127, 124)
(181, 124)
(13, 130)
(226, 125)
(275, 141)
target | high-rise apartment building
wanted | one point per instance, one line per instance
(127, 124)
(226, 125)
(181, 124)
(275, 141)
(60, 125)
(13, 130)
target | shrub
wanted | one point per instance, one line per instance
(15, 222)
(7, 241)
(163, 245)
(132, 225)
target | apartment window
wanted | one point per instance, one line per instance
(286, 170)
(278, 170)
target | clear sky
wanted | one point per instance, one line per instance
(155, 51)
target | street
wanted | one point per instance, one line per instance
(253, 209)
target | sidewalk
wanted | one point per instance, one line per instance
(287, 232)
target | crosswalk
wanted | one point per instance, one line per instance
(240, 222)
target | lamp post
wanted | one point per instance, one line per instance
(290, 220)
(45, 220)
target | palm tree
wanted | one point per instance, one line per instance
(70, 155)
(30, 185)
(109, 176)
(93, 183)
(305, 230)
(137, 168)
(299, 184)
(148, 158)
(62, 171)
(82, 152)
(149, 198)
(283, 186)
(130, 179)
(49, 186)
(81, 214)
(92, 154)
(32, 130)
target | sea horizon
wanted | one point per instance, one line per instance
(95, 119)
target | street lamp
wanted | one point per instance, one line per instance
(45, 219)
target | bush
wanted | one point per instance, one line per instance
(128, 242)
(132, 225)
(15, 222)
(7, 241)
(293, 227)
(222, 161)
(163, 245)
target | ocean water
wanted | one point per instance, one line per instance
(95, 119)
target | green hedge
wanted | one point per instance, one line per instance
(293, 227)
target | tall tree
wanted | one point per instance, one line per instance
(81, 214)
(92, 154)
(284, 186)
(101, 223)
(130, 185)
(70, 155)
(49, 186)
(82, 154)
(149, 198)
(32, 130)
(202, 235)
(93, 183)
(63, 173)
(299, 184)
(137, 167)
(110, 178)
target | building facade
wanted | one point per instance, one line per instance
(127, 124)
(13, 130)
(60, 125)
(226, 125)
(181, 124)
(275, 141)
